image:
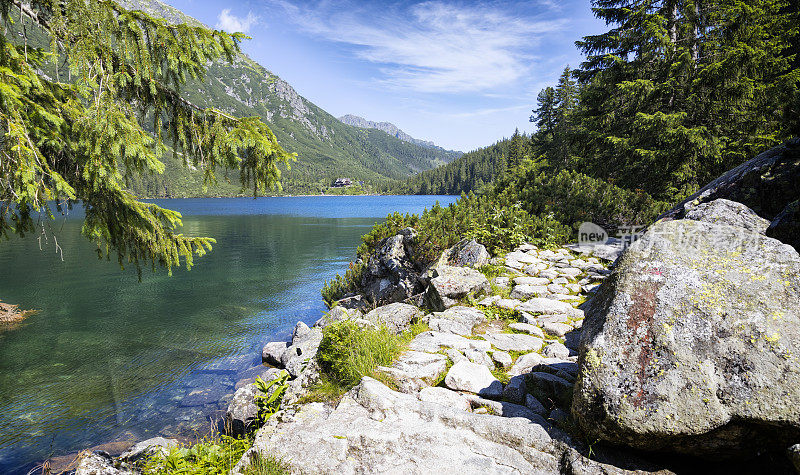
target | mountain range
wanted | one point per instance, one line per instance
(326, 147)
(387, 127)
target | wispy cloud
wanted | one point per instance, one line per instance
(433, 46)
(233, 24)
(490, 111)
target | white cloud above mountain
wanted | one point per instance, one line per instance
(233, 24)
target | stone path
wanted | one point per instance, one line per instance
(486, 389)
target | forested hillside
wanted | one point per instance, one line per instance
(672, 95)
(471, 172)
(326, 148)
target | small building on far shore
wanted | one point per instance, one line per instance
(341, 183)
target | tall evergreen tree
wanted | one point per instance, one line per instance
(544, 116)
(516, 150)
(566, 93)
(677, 91)
(80, 138)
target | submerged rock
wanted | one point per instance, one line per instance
(692, 344)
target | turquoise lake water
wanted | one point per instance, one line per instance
(108, 358)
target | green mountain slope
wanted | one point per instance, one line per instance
(326, 148)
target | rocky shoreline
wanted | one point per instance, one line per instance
(679, 356)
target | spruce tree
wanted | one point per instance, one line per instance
(80, 138)
(677, 91)
(566, 94)
(544, 116)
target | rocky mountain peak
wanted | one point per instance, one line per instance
(387, 127)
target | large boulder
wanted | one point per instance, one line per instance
(728, 212)
(272, 352)
(391, 274)
(450, 284)
(397, 317)
(766, 184)
(692, 344)
(305, 343)
(465, 253)
(377, 430)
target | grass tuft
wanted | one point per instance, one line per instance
(348, 353)
(267, 465)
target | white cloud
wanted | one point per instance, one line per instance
(490, 111)
(432, 46)
(233, 24)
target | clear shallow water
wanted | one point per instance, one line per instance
(108, 358)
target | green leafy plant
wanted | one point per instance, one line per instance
(206, 457)
(269, 400)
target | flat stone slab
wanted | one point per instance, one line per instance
(444, 325)
(527, 328)
(419, 364)
(525, 363)
(557, 329)
(545, 306)
(531, 281)
(445, 397)
(469, 316)
(382, 431)
(522, 257)
(555, 350)
(397, 317)
(515, 342)
(432, 342)
(524, 292)
(473, 378)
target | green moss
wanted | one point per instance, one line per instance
(502, 375)
(439, 381)
(491, 271)
(591, 359)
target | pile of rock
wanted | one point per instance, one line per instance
(482, 377)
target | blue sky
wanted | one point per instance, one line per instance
(463, 74)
